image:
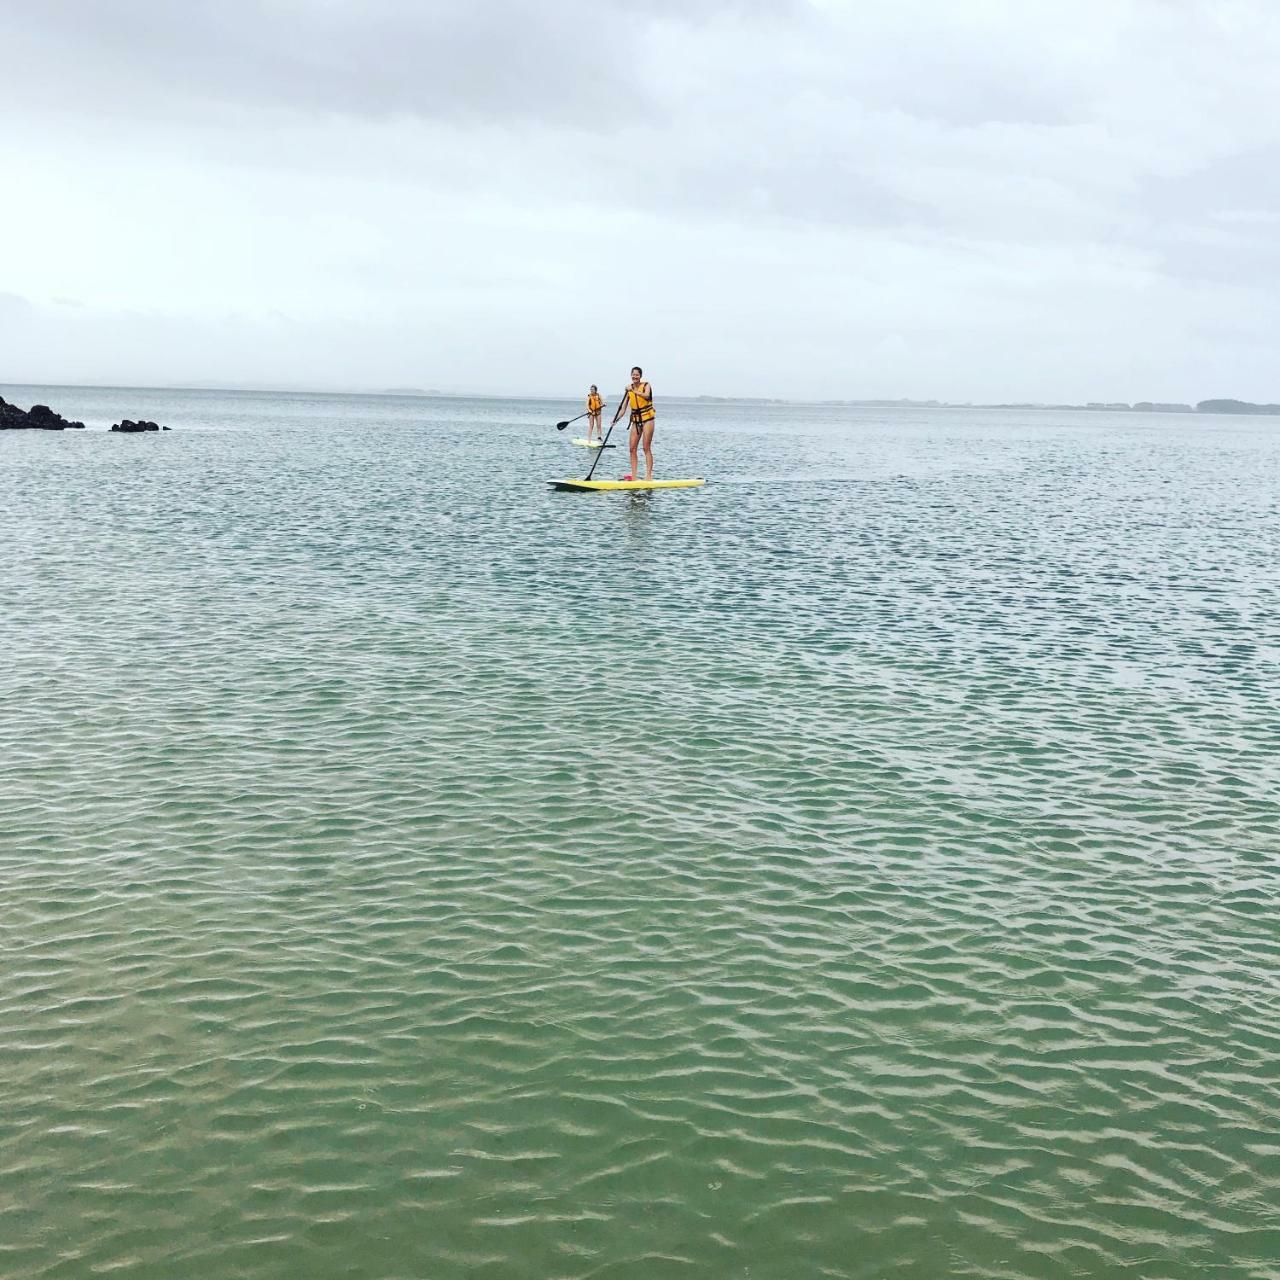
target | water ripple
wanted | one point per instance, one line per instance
(409, 872)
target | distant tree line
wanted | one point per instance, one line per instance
(1235, 406)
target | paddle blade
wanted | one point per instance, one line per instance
(560, 426)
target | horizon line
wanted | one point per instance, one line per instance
(1115, 406)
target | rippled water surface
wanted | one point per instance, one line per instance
(866, 865)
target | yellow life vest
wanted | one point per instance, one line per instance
(640, 400)
(594, 403)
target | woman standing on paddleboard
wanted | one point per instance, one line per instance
(638, 398)
(594, 405)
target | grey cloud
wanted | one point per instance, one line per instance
(1219, 254)
(576, 62)
(921, 114)
(590, 64)
(1238, 183)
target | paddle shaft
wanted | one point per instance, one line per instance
(601, 449)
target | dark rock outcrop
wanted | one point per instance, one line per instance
(141, 425)
(40, 418)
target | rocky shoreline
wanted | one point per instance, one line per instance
(41, 418)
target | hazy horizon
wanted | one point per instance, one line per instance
(801, 200)
(568, 397)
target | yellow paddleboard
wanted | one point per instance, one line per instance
(588, 444)
(576, 486)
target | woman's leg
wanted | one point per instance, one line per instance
(635, 445)
(648, 452)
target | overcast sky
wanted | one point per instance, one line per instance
(962, 199)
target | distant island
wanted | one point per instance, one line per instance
(1212, 406)
(1112, 406)
(1151, 406)
(1235, 406)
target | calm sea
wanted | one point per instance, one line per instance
(867, 865)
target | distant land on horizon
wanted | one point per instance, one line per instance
(1115, 406)
(1215, 406)
(1149, 406)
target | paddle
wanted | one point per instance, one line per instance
(605, 445)
(560, 426)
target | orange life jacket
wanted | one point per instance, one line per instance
(640, 400)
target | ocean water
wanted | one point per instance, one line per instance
(867, 865)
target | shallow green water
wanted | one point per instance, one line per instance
(866, 865)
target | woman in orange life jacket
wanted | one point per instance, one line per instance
(638, 398)
(594, 405)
